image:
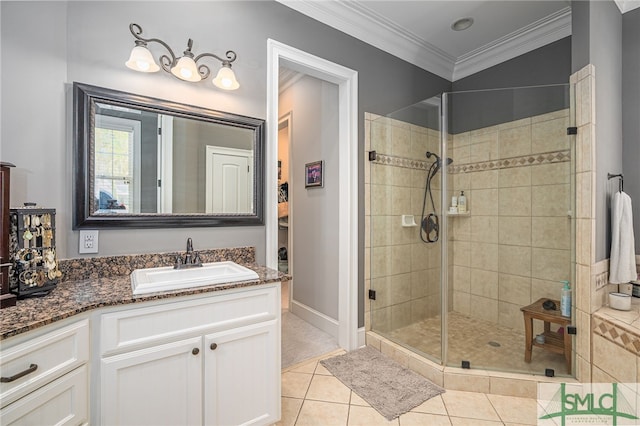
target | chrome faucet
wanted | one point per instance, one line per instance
(191, 258)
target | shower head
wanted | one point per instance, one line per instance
(437, 163)
(433, 154)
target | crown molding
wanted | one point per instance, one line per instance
(287, 78)
(627, 5)
(366, 25)
(528, 38)
(374, 29)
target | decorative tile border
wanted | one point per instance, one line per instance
(622, 337)
(407, 163)
(505, 163)
(602, 280)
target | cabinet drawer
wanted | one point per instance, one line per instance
(144, 326)
(64, 401)
(43, 359)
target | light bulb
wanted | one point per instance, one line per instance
(226, 79)
(186, 69)
(141, 60)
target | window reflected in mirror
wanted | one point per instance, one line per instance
(147, 162)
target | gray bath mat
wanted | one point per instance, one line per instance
(386, 385)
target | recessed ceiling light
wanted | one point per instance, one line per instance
(462, 24)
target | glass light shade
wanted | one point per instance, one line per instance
(226, 79)
(141, 60)
(186, 69)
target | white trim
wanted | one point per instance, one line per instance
(134, 129)
(540, 33)
(289, 79)
(315, 318)
(347, 81)
(627, 5)
(364, 24)
(287, 118)
(165, 146)
(362, 337)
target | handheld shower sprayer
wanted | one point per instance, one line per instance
(430, 224)
(438, 161)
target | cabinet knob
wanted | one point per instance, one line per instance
(214, 346)
(195, 351)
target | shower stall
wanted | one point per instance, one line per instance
(450, 284)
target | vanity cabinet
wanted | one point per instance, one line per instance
(211, 360)
(45, 378)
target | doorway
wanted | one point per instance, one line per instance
(345, 326)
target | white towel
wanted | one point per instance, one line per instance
(622, 263)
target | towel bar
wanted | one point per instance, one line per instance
(620, 182)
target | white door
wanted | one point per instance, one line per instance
(242, 368)
(161, 385)
(229, 180)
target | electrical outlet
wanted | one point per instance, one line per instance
(88, 242)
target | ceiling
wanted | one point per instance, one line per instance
(419, 31)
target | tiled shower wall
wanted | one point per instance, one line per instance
(515, 245)
(404, 271)
(512, 249)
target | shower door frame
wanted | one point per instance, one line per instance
(444, 225)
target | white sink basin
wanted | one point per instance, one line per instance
(151, 280)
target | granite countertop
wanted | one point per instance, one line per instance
(80, 294)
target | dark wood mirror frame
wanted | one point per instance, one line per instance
(84, 97)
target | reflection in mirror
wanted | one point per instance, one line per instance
(144, 162)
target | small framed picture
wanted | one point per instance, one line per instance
(314, 174)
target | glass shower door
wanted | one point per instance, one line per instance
(404, 182)
(513, 160)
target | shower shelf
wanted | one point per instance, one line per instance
(459, 214)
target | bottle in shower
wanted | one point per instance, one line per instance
(462, 203)
(565, 300)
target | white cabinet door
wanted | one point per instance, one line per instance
(160, 385)
(61, 402)
(242, 375)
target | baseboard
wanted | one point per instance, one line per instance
(315, 318)
(361, 337)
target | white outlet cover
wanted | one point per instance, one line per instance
(91, 238)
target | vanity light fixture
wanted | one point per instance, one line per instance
(185, 67)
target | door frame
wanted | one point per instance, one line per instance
(347, 81)
(286, 120)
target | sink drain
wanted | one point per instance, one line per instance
(494, 344)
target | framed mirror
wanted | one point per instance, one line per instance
(141, 162)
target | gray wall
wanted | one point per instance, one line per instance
(631, 112)
(45, 46)
(56, 43)
(604, 45)
(547, 65)
(314, 221)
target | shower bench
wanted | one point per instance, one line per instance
(553, 341)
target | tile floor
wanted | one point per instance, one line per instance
(312, 396)
(484, 344)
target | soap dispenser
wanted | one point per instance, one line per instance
(462, 203)
(565, 300)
